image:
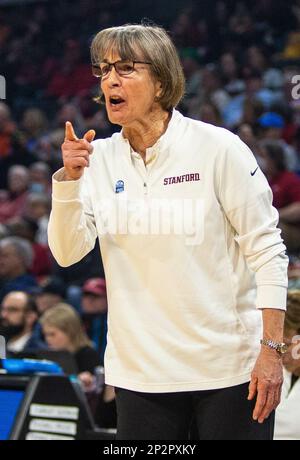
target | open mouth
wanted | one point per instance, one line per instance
(116, 100)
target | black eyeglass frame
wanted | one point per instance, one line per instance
(113, 64)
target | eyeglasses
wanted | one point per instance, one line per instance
(121, 67)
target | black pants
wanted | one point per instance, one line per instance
(223, 414)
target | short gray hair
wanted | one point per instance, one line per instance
(22, 247)
(20, 170)
(152, 44)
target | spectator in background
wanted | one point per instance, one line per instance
(27, 228)
(186, 32)
(212, 87)
(12, 146)
(99, 120)
(272, 124)
(285, 186)
(71, 111)
(192, 72)
(63, 330)
(18, 316)
(7, 128)
(49, 294)
(257, 60)
(255, 88)
(209, 91)
(16, 256)
(48, 148)
(287, 420)
(34, 124)
(254, 91)
(209, 113)
(38, 210)
(252, 109)
(292, 47)
(73, 75)
(40, 178)
(14, 204)
(94, 313)
(246, 133)
(241, 25)
(232, 82)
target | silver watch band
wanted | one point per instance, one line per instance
(278, 346)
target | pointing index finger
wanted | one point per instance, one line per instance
(69, 132)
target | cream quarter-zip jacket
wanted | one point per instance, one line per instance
(194, 256)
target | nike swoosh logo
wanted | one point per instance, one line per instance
(252, 173)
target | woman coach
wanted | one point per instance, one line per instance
(183, 330)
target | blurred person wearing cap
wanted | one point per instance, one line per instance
(50, 294)
(272, 124)
(94, 312)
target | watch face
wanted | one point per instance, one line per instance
(283, 348)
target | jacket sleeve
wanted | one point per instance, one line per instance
(71, 230)
(246, 199)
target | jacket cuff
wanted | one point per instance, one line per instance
(65, 190)
(270, 296)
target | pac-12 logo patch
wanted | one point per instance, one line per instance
(119, 186)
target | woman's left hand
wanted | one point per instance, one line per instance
(266, 382)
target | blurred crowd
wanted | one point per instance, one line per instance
(240, 60)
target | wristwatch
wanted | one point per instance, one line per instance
(281, 348)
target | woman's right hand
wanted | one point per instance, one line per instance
(76, 152)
